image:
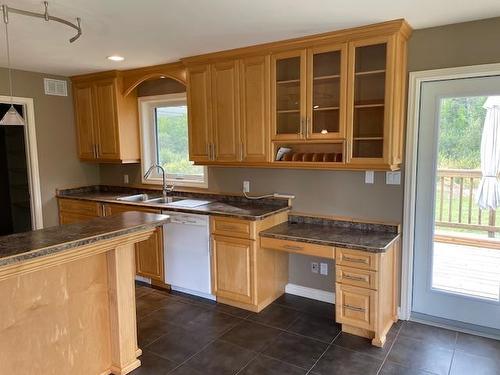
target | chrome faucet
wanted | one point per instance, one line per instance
(166, 189)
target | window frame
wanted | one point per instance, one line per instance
(148, 137)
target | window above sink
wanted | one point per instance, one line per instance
(164, 139)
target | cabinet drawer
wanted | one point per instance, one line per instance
(355, 306)
(298, 247)
(115, 208)
(232, 228)
(80, 207)
(356, 277)
(357, 259)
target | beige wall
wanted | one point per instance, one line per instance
(345, 193)
(55, 132)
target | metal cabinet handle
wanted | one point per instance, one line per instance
(355, 260)
(355, 278)
(301, 130)
(98, 150)
(241, 151)
(214, 151)
(354, 308)
(308, 128)
(227, 227)
(292, 247)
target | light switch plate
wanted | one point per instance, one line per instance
(314, 267)
(323, 268)
(393, 178)
(246, 186)
(369, 177)
(125, 179)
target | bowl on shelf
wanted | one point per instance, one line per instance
(298, 156)
(307, 157)
(318, 156)
(288, 156)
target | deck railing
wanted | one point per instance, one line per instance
(456, 206)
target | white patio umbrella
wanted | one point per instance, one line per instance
(488, 193)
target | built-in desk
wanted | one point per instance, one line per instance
(366, 271)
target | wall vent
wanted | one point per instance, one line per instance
(55, 87)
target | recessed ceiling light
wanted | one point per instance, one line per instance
(162, 77)
(116, 58)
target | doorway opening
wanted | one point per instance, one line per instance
(20, 198)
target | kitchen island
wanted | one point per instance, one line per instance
(69, 298)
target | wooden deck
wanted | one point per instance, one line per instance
(467, 270)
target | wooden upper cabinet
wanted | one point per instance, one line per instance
(376, 86)
(84, 117)
(107, 122)
(288, 95)
(326, 92)
(199, 94)
(106, 136)
(255, 109)
(225, 109)
(333, 100)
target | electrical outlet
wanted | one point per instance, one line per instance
(369, 177)
(125, 179)
(393, 178)
(314, 267)
(246, 186)
(323, 268)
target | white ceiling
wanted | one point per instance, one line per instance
(152, 32)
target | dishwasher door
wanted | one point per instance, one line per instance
(187, 254)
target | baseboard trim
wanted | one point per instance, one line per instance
(304, 291)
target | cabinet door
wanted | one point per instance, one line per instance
(84, 116)
(149, 257)
(199, 113)
(107, 136)
(233, 268)
(149, 253)
(225, 125)
(369, 100)
(326, 91)
(255, 115)
(288, 95)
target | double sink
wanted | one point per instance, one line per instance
(167, 201)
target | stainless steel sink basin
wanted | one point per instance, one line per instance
(164, 200)
(134, 198)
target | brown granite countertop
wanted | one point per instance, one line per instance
(19, 247)
(221, 205)
(361, 236)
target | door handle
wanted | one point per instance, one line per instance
(354, 308)
(354, 260)
(354, 278)
(292, 247)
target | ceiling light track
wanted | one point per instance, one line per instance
(45, 15)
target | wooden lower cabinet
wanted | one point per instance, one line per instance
(244, 274)
(366, 292)
(149, 253)
(75, 211)
(233, 267)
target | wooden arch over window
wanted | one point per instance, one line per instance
(134, 77)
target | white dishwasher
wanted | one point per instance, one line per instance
(187, 254)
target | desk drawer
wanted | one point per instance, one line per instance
(355, 306)
(356, 277)
(232, 228)
(80, 207)
(298, 247)
(357, 259)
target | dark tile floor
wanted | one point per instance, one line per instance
(181, 334)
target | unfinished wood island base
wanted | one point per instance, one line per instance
(73, 311)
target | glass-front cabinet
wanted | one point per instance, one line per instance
(327, 78)
(309, 93)
(368, 101)
(288, 94)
